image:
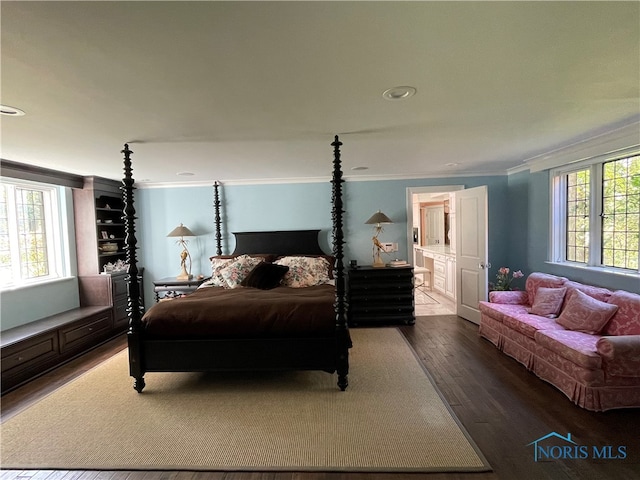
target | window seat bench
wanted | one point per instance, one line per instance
(30, 350)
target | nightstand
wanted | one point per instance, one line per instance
(174, 288)
(380, 295)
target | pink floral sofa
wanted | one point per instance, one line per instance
(582, 339)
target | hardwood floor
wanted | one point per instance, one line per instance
(501, 405)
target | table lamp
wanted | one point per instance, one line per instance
(182, 231)
(377, 219)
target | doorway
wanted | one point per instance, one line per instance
(458, 269)
(431, 228)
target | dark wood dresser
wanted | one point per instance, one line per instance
(382, 295)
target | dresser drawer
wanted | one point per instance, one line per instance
(120, 319)
(381, 297)
(439, 257)
(85, 332)
(439, 268)
(119, 285)
(387, 276)
(382, 309)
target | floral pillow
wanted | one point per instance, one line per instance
(548, 301)
(584, 313)
(237, 269)
(216, 279)
(305, 271)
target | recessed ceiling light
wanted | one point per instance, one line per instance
(359, 168)
(399, 93)
(185, 174)
(11, 111)
(452, 164)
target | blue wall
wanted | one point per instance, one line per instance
(286, 207)
(518, 229)
(519, 241)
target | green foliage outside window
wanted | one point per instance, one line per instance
(621, 213)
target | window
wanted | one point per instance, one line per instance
(596, 213)
(30, 234)
(578, 207)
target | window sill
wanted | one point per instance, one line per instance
(43, 283)
(616, 272)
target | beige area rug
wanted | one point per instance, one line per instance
(390, 419)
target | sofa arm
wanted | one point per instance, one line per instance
(510, 297)
(620, 355)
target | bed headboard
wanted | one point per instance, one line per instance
(282, 242)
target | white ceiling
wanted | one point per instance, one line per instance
(236, 91)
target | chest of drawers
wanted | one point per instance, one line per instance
(380, 296)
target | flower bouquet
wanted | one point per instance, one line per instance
(503, 279)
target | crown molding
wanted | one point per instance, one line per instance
(619, 139)
(347, 178)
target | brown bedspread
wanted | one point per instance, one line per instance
(245, 312)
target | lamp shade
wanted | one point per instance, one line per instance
(378, 218)
(181, 231)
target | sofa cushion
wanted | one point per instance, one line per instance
(598, 293)
(548, 301)
(499, 310)
(578, 347)
(626, 321)
(537, 280)
(529, 324)
(583, 313)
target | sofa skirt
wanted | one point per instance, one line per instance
(596, 393)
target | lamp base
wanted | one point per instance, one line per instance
(184, 275)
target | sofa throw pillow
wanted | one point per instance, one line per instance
(537, 279)
(265, 276)
(598, 293)
(583, 313)
(548, 301)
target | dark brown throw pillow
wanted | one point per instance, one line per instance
(265, 276)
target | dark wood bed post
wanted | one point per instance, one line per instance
(216, 205)
(338, 242)
(136, 369)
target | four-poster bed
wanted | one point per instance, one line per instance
(292, 329)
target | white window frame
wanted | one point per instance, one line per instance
(558, 213)
(57, 245)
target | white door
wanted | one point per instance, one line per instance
(471, 251)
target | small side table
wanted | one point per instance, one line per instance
(173, 287)
(378, 296)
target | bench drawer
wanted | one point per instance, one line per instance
(30, 352)
(86, 331)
